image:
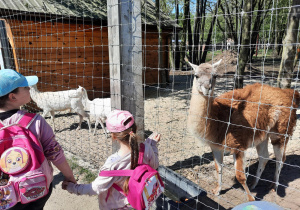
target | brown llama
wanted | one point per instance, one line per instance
(239, 119)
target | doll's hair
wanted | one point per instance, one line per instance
(129, 138)
(3, 99)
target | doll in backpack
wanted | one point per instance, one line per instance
(123, 129)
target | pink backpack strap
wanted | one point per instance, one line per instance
(116, 173)
(123, 172)
(27, 119)
(118, 188)
(141, 153)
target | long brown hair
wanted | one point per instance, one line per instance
(4, 98)
(129, 138)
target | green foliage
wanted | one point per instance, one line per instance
(88, 176)
(212, 54)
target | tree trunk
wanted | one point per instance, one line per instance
(245, 41)
(203, 16)
(170, 50)
(190, 36)
(197, 26)
(162, 73)
(258, 22)
(184, 31)
(210, 33)
(286, 69)
(177, 52)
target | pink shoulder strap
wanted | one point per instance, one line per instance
(27, 119)
(116, 173)
(141, 153)
(118, 188)
(125, 172)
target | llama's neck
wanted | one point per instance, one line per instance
(199, 110)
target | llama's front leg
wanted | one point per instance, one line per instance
(102, 125)
(45, 113)
(80, 121)
(240, 173)
(279, 152)
(52, 113)
(218, 158)
(263, 154)
(82, 114)
(96, 124)
(89, 123)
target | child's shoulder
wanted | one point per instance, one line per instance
(24, 111)
(112, 158)
(116, 162)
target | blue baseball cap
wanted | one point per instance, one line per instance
(10, 80)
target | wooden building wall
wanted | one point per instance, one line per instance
(65, 55)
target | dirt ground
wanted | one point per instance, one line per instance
(166, 112)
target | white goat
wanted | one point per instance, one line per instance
(99, 108)
(60, 101)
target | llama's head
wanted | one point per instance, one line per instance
(205, 76)
(33, 89)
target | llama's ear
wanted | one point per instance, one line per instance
(192, 65)
(216, 70)
(215, 65)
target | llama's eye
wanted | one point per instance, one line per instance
(196, 76)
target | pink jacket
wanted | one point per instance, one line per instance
(101, 184)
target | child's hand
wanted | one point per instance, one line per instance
(155, 136)
(65, 184)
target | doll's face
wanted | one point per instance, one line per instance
(14, 160)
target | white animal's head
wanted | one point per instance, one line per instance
(33, 87)
(205, 76)
(33, 90)
(79, 89)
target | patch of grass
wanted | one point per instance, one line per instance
(211, 54)
(86, 175)
(270, 53)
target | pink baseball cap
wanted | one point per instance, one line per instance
(116, 121)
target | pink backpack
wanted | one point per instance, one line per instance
(22, 164)
(145, 184)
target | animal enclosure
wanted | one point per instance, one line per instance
(68, 44)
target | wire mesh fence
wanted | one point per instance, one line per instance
(67, 44)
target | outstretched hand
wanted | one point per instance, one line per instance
(155, 136)
(65, 184)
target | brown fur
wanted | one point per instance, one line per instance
(244, 110)
(242, 118)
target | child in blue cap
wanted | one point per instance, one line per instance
(14, 92)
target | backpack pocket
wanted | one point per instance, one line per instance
(8, 196)
(152, 190)
(32, 188)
